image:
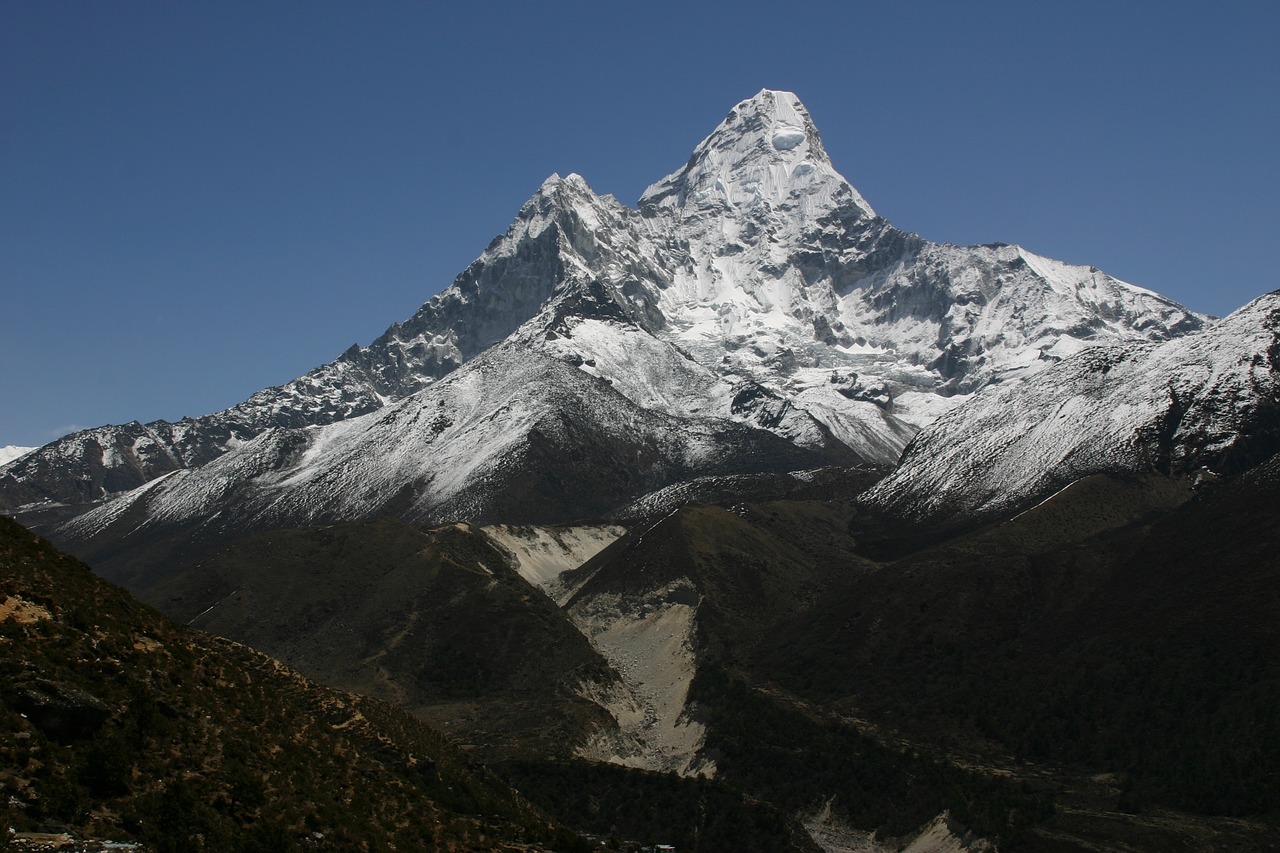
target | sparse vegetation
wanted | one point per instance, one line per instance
(433, 620)
(645, 807)
(209, 745)
(798, 759)
(1143, 645)
(1095, 652)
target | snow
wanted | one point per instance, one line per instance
(10, 452)
(921, 408)
(448, 452)
(754, 272)
(108, 513)
(728, 166)
(786, 138)
(1118, 408)
(644, 369)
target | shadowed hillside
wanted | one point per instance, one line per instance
(433, 620)
(119, 724)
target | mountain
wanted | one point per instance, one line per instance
(743, 509)
(514, 435)
(1117, 644)
(118, 724)
(1206, 405)
(1095, 673)
(578, 701)
(753, 299)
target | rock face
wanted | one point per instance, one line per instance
(753, 314)
(62, 711)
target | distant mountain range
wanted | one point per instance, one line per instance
(740, 485)
(753, 315)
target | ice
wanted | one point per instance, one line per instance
(786, 138)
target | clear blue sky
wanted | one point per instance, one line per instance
(201, 199)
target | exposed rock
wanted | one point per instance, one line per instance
(62, 711)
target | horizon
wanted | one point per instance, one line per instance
(204, 201)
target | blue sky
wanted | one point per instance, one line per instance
(201, 199)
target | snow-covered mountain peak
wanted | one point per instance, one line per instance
(556, 197)
(568, 186)
(775, 117)
(1262, 311)
(765, 153)
(754, 285)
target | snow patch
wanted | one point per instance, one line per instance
(10, 452)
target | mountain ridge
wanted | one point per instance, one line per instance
(1205, 405)
(760, 290)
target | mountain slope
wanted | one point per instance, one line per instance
(118, 723)
(513, 436)
(366, 605)
(433, 620)
(1115, 646)
(1125, 626)
(439, 622)
(761, 282)
(1205, 402)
